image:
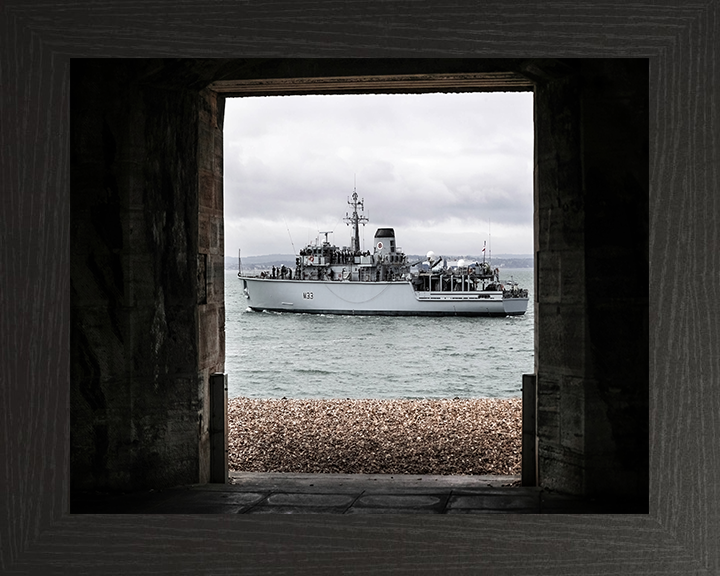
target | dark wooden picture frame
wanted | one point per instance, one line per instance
(37, 535)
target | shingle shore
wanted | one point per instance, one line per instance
(462, 436)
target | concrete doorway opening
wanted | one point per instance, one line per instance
(147, 298)
(453, 173)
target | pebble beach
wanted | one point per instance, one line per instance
(452, 437)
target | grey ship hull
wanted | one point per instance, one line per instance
(396, 298)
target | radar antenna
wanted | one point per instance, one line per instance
(355, 220)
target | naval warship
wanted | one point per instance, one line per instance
(328, 279)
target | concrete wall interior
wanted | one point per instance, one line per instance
(591, 240)
(147, 249)
(147, 294)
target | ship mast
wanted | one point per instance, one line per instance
(355, 220)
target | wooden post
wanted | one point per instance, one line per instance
(218, 429)
(529, 430)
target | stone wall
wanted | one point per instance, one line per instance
(211, 258)
(591, 222)
(139, 322)
(615, 144)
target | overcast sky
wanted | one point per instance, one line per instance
(446, 171)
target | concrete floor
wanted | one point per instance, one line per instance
(276, 493)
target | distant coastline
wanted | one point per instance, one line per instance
(266, 262)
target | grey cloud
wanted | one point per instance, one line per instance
(419, 162)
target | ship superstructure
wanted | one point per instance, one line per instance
(328, 279)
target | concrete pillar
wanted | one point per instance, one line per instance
(147, 291)
(591, 311)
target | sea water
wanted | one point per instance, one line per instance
(284, 354)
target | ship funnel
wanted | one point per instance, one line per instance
(384, 241)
